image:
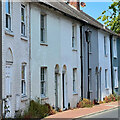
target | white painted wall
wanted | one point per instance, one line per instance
(20, 51)
(104, 62)
(59, 51)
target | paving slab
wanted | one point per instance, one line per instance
(79, 112)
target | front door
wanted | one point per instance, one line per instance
(63, 81)
(8, 91)
(64, 86)
(56, 91)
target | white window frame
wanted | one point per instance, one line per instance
(8, 15)
(43, 80)
(43, 27)
(106, 79)
(74, 80)
(23, 22)
(115, 75)
(74, 36)
(105, 46)
(23, 80)
(115, 48)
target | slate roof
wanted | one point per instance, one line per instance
(69, 11)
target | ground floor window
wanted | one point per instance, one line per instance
(106, 78)
(23, 81)
(74, 79)
(43, 81)
(115, 75)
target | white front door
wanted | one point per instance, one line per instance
(8, 91)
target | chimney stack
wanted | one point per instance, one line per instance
(75, 3)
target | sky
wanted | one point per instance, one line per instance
(94, 9)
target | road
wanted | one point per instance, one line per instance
(107, 115)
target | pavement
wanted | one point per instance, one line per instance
(82, 112)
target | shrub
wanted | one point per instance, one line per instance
(84, 103)
(51, 110)
(110, 98)
(100, 102)
(80, 104)
(36, 110)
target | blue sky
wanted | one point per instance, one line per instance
(94, 9)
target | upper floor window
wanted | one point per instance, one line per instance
(8, 15)
(74, 38)
(115, 48)
(23, 20)
(105, 46)
(23, 81)
(74, 79)
(43, 28)
(115, 75)
(43, 81)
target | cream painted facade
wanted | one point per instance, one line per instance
(56, 51)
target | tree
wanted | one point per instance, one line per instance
(111, 17)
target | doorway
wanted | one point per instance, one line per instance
(8, 91)
(8, 84)
(56, 87)
(64, 88)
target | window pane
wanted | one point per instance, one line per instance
(43, 80)
(9, 22)
(8, 7)
(22, 14)
(22, 87)
(106, 86)
(73, 31)
(74, 80)
(42, 21)
(23, 72)
(6, 21)
(42, 39)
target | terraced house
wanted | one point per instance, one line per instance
(15, 57)
(55, 52)
(115, 63)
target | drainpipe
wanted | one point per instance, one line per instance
(88, 36)
(81, 49)
(1, 59)
(111, 36)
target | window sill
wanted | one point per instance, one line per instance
(74, 93)
(91, 91)
(24, 98)
(10, 33)
(44, 44)
(107, 88)
(106, 55)
(115, 57)
(44, 98)
(116, 87)
(74, 49)
(24, 38)
(90, 52)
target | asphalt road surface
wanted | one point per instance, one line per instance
(107, 115)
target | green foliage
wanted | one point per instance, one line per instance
(111, 17)
(36, 110)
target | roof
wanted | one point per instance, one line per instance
(75, 14)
